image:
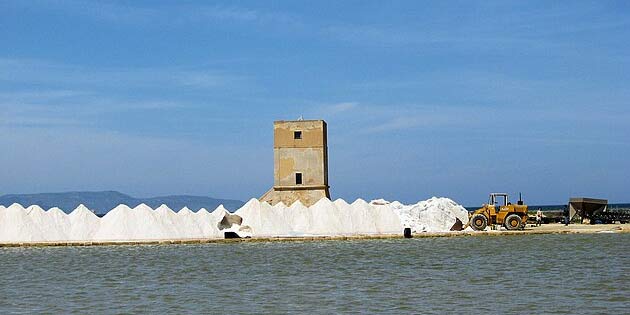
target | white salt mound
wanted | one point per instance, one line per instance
(325, 218)
(17, 226)
(257, 219)
(143, 223)
(432, 215)
(83, 224)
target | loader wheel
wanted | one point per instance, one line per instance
(513, 222)
(479, 222)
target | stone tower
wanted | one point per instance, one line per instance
(300, 163)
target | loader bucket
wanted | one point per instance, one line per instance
(458, 226)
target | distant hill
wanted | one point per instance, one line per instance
(103, 201)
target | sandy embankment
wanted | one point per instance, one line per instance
(545, 229)
(579, 228)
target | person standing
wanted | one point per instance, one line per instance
(539, 217)
(565, 214)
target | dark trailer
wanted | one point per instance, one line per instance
(586, 208)
(597, 211)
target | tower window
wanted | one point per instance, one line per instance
(298, 178)
(297, 135)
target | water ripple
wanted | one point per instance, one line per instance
(552, 274)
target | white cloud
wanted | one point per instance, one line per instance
(156, 14)
(203, 80)
(39, 71)
(341, 107)
(398, 123)
(371, 118)
(58, 160)
(228, 13)
(62, 108)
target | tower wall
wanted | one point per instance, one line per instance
(300, 150)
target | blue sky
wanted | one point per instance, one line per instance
(422, 98)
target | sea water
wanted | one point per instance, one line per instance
(553, 274)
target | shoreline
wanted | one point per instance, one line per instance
(530, 230)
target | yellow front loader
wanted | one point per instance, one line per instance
(499, 210)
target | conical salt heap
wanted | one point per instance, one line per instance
(83, 224)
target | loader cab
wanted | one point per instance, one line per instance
(498, 200)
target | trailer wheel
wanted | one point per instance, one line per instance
(513, 222)
(479, 222)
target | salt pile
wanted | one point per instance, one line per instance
(83, 224)
(255, 218)
(122, 223)
(432, 215)
(325, 218)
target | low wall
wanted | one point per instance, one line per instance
(551, 229)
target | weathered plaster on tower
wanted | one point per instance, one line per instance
(300, 163)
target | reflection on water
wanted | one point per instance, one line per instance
(561, 274)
